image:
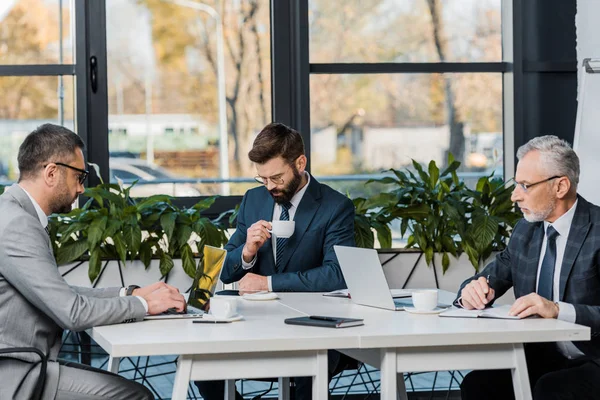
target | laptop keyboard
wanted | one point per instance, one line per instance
(403, 302)
(190, 310)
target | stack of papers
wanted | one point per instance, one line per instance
(500, 312)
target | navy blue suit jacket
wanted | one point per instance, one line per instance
(580, 271)
(324, 218)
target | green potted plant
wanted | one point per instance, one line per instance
(113, 226)
(440, 213)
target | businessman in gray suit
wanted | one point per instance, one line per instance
(36, 303)
(305, 262)
(552, 261)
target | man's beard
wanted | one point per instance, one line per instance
(283, 196)
(63, 202)
(541, 215)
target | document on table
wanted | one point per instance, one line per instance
(500, 312)
(396, 293)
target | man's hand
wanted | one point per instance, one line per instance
(252, 283)
(163, 298)
(256, 236)
(477, 294)
(143, 291)
(533, 304)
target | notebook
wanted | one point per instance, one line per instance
(326, 322)
(500, 312)
(203, 287)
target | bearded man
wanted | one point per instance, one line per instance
(306, 261)
(552, 262)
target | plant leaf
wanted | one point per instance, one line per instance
(94, 264)
(187, 261)
(166, 264)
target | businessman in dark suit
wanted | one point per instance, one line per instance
(305, 262)
(552, 261)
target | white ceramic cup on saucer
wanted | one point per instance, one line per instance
(425, 300)
(282, 229)
(223, 307)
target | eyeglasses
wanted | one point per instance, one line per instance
(83, 174)
(527, 186)
(276, 179)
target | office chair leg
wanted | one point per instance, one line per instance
(230, 389)
(283, 388)
(402, 395)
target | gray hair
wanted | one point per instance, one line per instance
(557, 156)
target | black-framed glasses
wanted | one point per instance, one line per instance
(83, 174)
(527, 186)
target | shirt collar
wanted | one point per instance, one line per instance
(41, 214)
(563, 223)
(298, 196)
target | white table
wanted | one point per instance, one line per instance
(260, 346)
(394, 341)
(397, 342)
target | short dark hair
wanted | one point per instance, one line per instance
(276, 140)
(48, 143)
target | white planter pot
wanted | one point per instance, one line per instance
(132, 273)
(398, 269)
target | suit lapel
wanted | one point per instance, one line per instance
(577, 234)
(533, 259)
(304, 215)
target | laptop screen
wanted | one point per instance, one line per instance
(207, 276)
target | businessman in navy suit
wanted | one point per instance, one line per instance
(553, 262)
(305, 262)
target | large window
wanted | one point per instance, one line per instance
(188, 88)
(395, 81)
(36, 73)
(172, 92)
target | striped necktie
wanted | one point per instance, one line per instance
(280, 246)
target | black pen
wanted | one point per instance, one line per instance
(208, 321)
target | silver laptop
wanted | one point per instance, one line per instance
(203, 288)
(366, 282)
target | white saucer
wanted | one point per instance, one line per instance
(413, 310)
(261, 296)
(210, 317)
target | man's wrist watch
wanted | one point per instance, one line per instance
(129, 290)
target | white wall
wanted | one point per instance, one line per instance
(586, 24)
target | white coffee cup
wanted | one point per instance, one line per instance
(425, 300)
(223, 306)
(282, 229)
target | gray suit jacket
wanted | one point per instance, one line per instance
(36, 303)
(580, 271)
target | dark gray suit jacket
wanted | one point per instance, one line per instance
(36, 303)
(324, 218)
(580, 274)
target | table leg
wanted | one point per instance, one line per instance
(283, 387)
(182, 377)
(388, 374)
(401, 386)
(520, 376)
(321, 376)
(230, 389)
(113, 364)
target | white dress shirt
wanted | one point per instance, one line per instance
(566, 311)
(44, 221)
(295, 201)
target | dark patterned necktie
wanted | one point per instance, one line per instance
(280, 246)
(546, 282)
(47, 230)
